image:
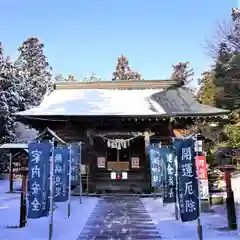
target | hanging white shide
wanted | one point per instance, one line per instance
(118, 143)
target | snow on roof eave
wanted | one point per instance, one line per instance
(14, 146)
(53, 134)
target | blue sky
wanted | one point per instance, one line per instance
(82, 37)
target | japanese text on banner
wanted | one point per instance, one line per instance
(188, 185)
(156, 166)
(202, 171)
(169, 160)
(61, 162)
(201, 164)
(38, 174)
(75, 156)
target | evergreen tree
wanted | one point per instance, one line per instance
(220, 76)
(224, 84)
(92, 78)
(39, 77)
(124, 72)
(70, 78)
(22, 85)
(181, 73)
(207, 92)
(233, 35)
(11, 101)
(59, 78)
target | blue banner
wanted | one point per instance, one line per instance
(75, 156)
(187, 180)
(169, 186)
(38, 176)
(61, 168)
(156, 166)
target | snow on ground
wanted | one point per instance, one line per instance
(37, 229)
(164, 218)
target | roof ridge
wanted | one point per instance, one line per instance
(143, 84)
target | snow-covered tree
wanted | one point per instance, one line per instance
(59, 78)
(92, 78)
(124, 72)
(22, 85)
(39, 76)
(10, 101)
(10, 96)
(70, 78)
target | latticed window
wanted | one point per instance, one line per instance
(124, 155)
(112, 155)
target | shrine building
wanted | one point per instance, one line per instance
(116, 121)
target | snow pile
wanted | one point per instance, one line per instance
(37, 229)
(169, 228)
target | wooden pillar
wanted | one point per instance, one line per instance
(23, 202)
(230, 204)
(170, 129)
(147, 142)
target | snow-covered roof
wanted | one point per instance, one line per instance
(97, 102)
(172, 101)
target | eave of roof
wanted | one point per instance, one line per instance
(14, 146)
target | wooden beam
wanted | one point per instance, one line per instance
(144, 84)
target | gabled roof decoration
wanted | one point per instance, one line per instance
(48, 132)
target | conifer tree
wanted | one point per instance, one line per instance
(124, 72)
(181, 73)
(39, 77)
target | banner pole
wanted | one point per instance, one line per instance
(177, 200)
(51, 193)
(10, 173)
(69, 180)
(80, 172)
(199, 225)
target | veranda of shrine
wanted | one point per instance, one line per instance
(116, 121)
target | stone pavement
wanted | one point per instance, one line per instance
(119, 218)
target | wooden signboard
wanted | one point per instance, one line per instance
(101, 161)
(135, 162)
